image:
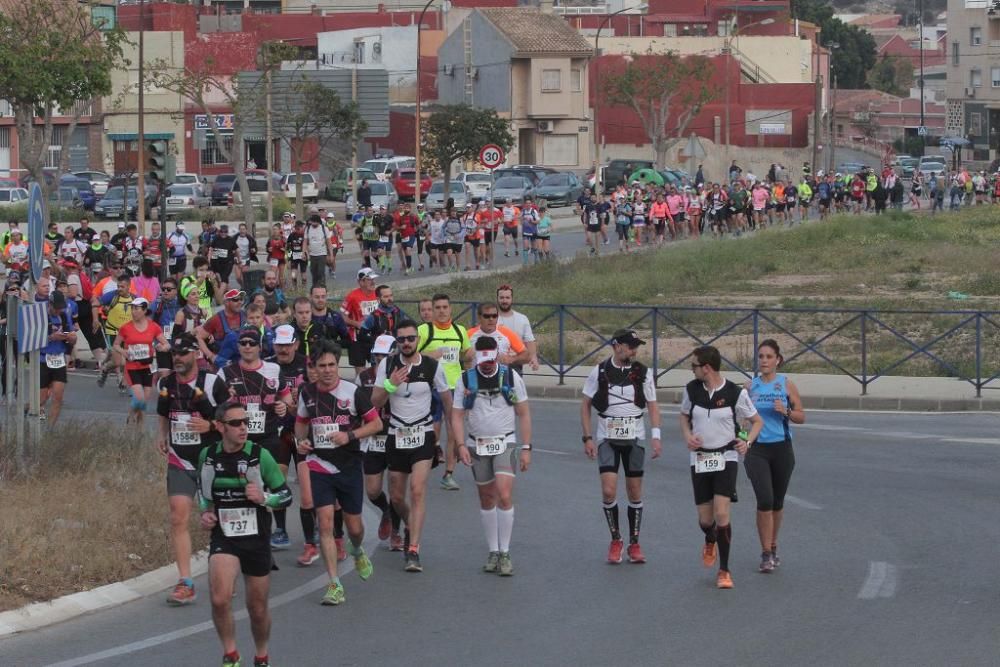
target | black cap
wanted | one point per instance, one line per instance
(627, 337)
(57, 300)
(251, 333)
(184, 342)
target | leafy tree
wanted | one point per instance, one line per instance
(660, 87)
(458, 132)
(53, 60)
(856, 53)
(891, 74)
(308, 110)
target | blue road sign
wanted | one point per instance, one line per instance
(36, 230)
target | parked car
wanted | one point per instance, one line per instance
(83, 187)
(477, 183)
(436, 198)
(310, 189)
(673, 177)
(383, 167)
(340, 187)
(185, 178)
(112, 204)
(616, 171)
(222, 188)
(515, 188)
(65, 196)
(928, 169)
(98, 181)
(404, 181)
(933, 158)
(383, 194)
(906, 165)
(257, 182)
(850, 168)
(562, 189)
(184, 197)
(529, 171)
(13, 196)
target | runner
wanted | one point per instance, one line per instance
(510, 215)
(275, 250)
(113, 312)
(511, 349)
(164, 312)
(318, 250)
(333, 417)
(359, 304)
(519, 324)
(52, 373)
(445, 341)
(488, 399)
(405, 226)
(246, 252)
(407, 381)
(770, 461)
(335, 235)
(296, 244)
(186, 404)
(223, 254)
(135, 346)
(222, 326)
(621, 390)
(382, 320)
(178, 245)
(529, 227)
(711, 412)
(238, 483)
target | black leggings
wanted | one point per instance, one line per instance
(769, 467)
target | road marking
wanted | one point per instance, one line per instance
(804, 504)
(550, 451)
(973, 441)
(277, 601)
(830, 427)
(880, 582)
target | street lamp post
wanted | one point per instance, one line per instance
(416, 115)
(596, 93)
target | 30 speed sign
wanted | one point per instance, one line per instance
(491, 156)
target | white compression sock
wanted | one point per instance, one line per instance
(505, 522)
(489, 518)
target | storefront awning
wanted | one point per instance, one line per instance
(134, 136)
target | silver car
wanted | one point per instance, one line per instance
(515, 188)
(383, 194)
(185, 197)
(436, 198)
(477, 183)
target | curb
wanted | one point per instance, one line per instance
(42, 614)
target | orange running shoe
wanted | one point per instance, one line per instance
(615, 551)
(724, 580)
(708, 554)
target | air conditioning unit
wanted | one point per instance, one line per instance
(970, 92)
(545, 126)
(449, 70)
(474, 72)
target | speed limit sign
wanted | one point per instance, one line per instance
(491, 156)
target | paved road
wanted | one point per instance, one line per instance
(887, 561)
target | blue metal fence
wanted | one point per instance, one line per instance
(868, 331)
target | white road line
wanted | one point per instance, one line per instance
(550, 451)
(804, 504)
(880, 582)
(973, 441)
(830, 427)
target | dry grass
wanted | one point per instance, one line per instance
(86, 507)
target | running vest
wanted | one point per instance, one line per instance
(503, 382)
(725, 397)
(636, 377)
(422, 372)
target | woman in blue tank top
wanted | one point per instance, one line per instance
(770, 460)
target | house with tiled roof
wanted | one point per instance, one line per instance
(531, 66)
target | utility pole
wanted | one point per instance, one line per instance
(140, 188)
(817, 114)
(923, 139)
(269, 150)
(354, 144)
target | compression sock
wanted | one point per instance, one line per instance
(634, 521)
(394, 517)
(409, 261)
(505, 523)
(308, 526)
(380, 502)
(709, 532)
(338, 523)
(611, 515)
(279, 518)
(725, 535)
(490, 528)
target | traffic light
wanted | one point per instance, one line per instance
(157, 160)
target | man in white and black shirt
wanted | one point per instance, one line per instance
(622, 391)
(711, 413)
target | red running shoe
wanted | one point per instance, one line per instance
(635, 554)
(615, 551)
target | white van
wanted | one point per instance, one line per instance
(384, 166)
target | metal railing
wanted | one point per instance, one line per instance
(863, 344)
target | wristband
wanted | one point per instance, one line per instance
(586, 438)
(656, 432)
(526, 448)
(350, 436)
(389, 386)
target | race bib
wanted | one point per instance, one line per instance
(297, 256)
(493, 445)
(323, 435)
(137, 352)
(168, 330)
(368, 307)
(238, 521)
(256, 417)
(709, 462)
(273, 262)
(55, 360)
(376, 444)
(368, 230)
(620, 428)
(383, 239)
(449, 355)
(221, 253)
(171, 261)
(181, 432)
(409, 437)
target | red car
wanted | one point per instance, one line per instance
(404, 180)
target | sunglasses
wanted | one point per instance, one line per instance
(168, 288)
(236, 423)
(247, 342)
(697, 365)
(405, 339)
(490, 316)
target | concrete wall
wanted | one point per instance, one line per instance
(398, 55)
(490, 57)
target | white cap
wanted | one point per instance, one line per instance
(330, 215)
(46, 264)
(383, 344)
(121, 225)
(284, 335)
(367, 273)
(486, 356)
(140, 301)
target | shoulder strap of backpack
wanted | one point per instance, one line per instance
(430, 336)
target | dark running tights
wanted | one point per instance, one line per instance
(769, 467)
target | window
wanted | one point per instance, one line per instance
(551, 81)
(976, 78)
(699, 29)
(995, 77)
(954, 53)
(575, 81)
(975, 124)
(724, 27)
(669, 29)
(211, 155)
(53, 155)
(975, 36)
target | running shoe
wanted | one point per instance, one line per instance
(261, 662)
(724, 580)
(181, 595)
(341, 552)
(774, 555)
(334, 595)
(708, 554)
(615, 551)
(385, 526)
(448, 483)
(310, 554)
(506, 566)
(635, 554)
(395, 542)
(492, 562)
(279, 540)
(102, 378)
(363, 564)
(413, 561)
(766, 564)
(231, 661)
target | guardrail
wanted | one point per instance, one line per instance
(863, 344)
